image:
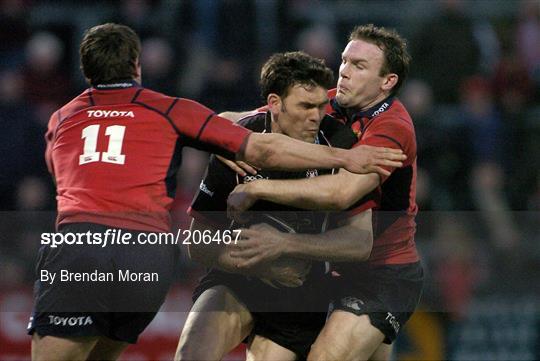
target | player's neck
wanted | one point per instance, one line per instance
(274, 126)
(374, 102)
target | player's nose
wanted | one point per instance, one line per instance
(344, 71)
(315, 116)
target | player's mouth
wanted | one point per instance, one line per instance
(342, 89)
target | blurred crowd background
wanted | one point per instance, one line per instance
(473, 93)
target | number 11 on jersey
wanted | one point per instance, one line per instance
(114, 150)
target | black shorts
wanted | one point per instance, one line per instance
(290, 317)
(387, 294)
(113, 291)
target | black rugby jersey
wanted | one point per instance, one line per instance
(210, 203)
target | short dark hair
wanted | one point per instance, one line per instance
(394, 47)
(285, 70)
(109, 53)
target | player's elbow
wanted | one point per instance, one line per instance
(342, 198)
(333, 197)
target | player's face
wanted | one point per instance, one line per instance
(300, 112)
(360, 85)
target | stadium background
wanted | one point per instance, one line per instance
(473, 92)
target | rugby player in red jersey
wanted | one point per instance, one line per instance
(114, 152)
(372, 300)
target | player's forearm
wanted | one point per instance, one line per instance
(317, 193)
(332, 246)
(327, 192)
(351, 242)
(277, 151)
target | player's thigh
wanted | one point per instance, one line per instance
(56, 348)
(107, 349)
(217, 323)
(263, 349)
(382, 353)
(345, 337)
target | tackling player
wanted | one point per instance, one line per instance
(374, 299)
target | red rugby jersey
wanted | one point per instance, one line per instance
(387, 124)
(116, 148)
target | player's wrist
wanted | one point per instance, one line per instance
(256, 189)
(287, 245)
(342, 157)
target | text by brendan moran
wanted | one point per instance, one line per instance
(97, 276)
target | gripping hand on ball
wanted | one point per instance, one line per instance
(259, 243)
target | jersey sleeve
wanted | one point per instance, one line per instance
(205, 130)
(49, 140)
(210, 202)
(391, 132)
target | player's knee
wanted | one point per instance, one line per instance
(329, 347)
(190, 349)
(325, 352)
(262, 348)
(219, 331)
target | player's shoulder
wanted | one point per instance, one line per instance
(77, 104)
(256, 122)
(150, 95)
(154, 99)
(396, 123)
(397, 117)
(397, 111)
(168, 105)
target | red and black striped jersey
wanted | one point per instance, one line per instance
(115, 150)
(387, 124)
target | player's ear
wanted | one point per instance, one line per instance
(390, 81)
(274, 103)
(138, 71)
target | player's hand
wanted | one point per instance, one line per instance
(286, 272)
(239, 167)
(259, 243)
(239, 201)
(368, 159)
